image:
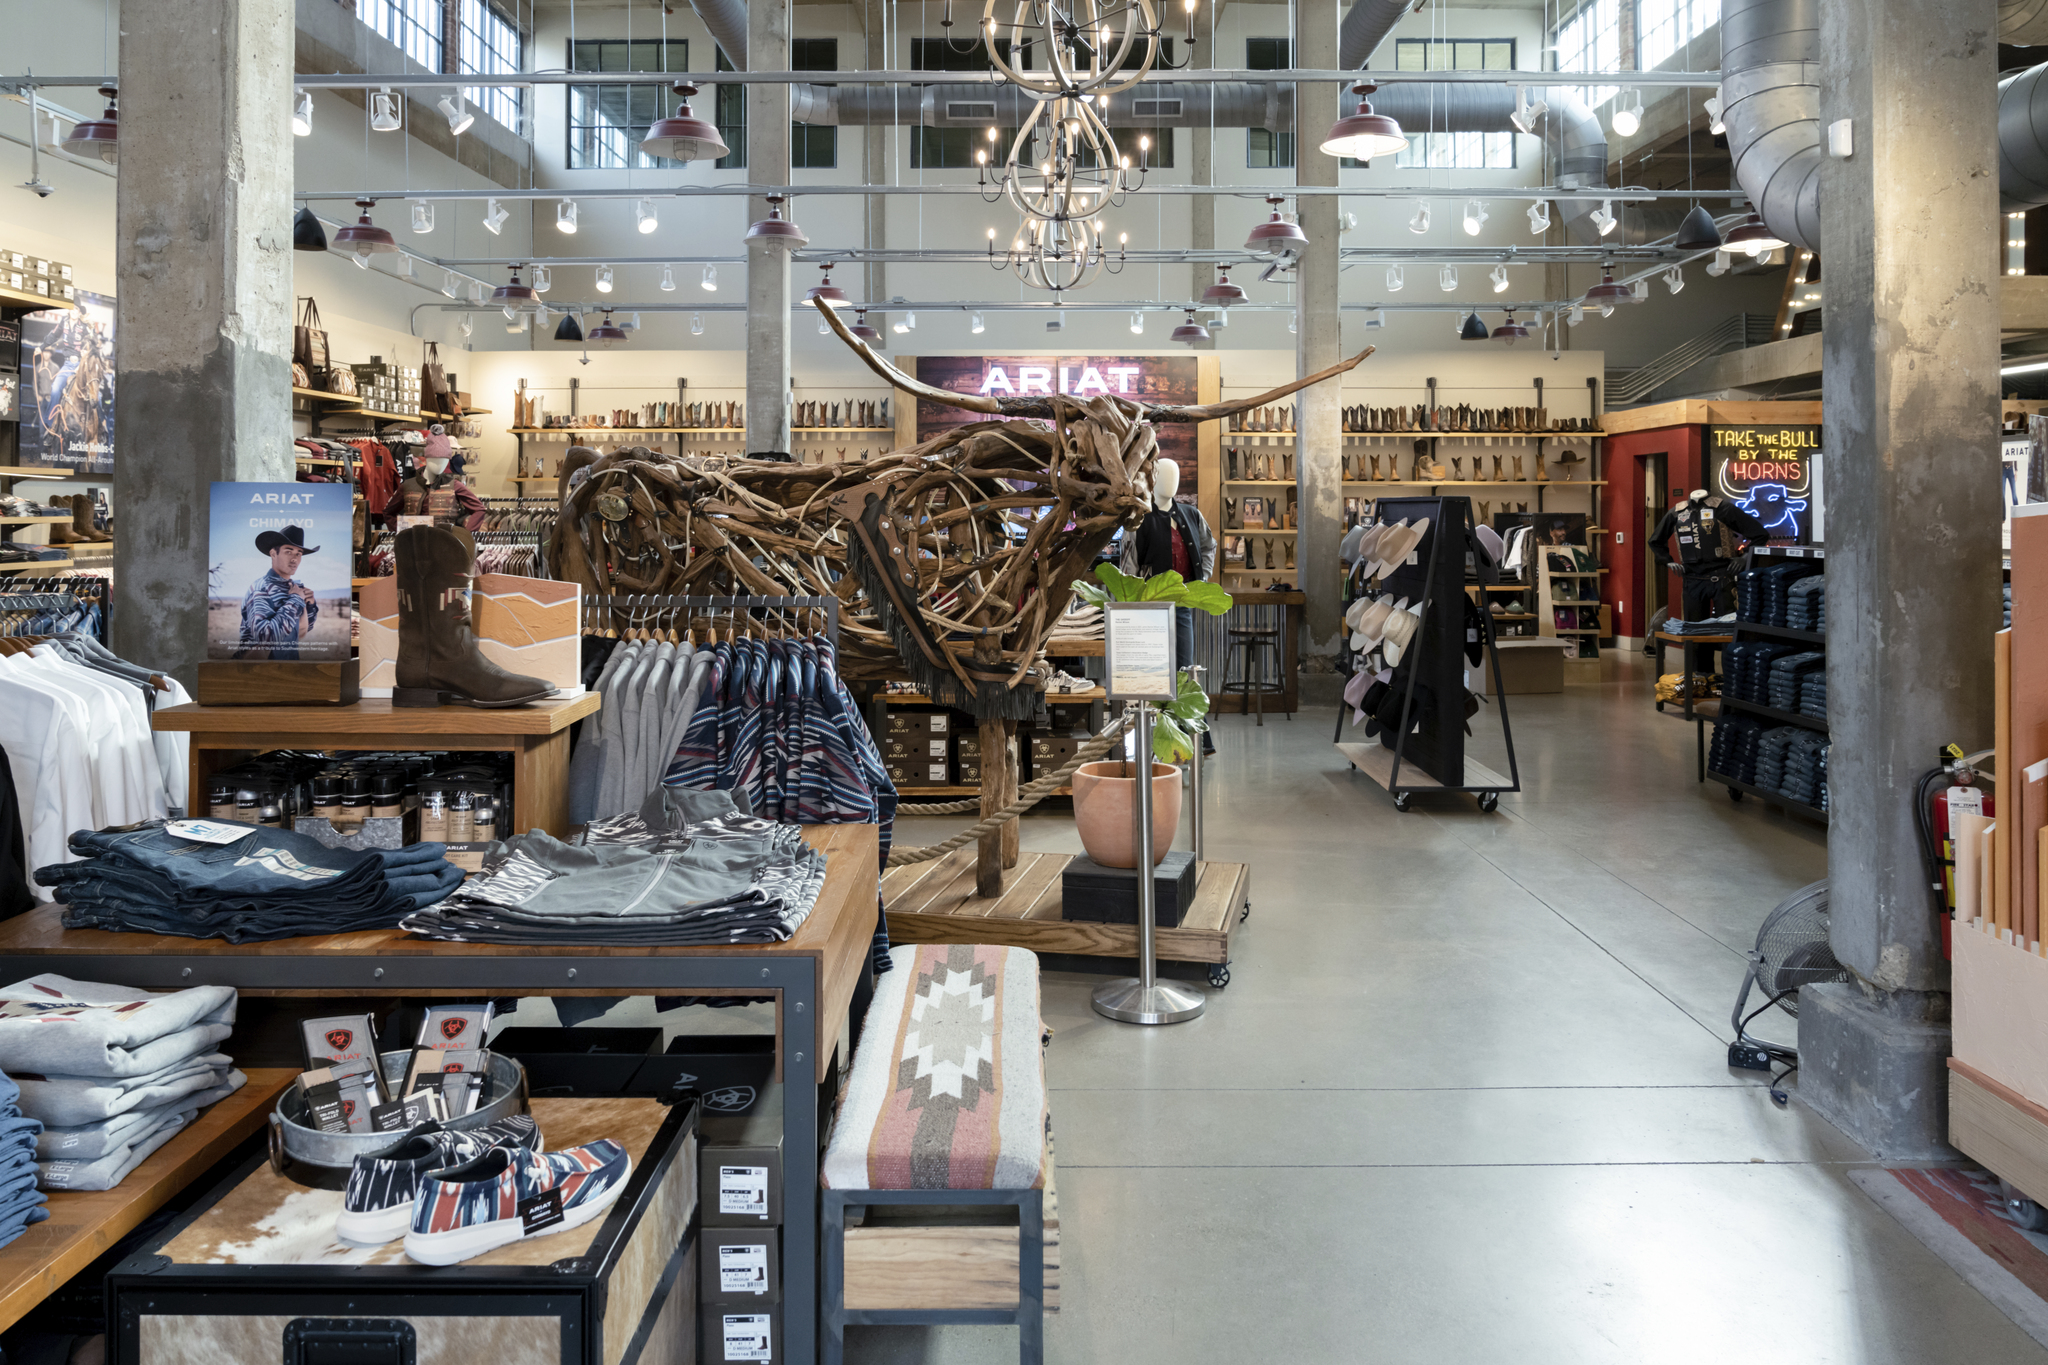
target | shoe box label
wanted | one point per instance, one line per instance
(743, 1268)
(540, 1212)
(743, 1190)
(748, 1336)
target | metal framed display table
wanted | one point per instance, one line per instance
(812, 978)
(536, 736)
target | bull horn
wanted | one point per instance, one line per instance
(971, 402)
(1209, 412)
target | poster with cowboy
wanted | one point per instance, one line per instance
(278, 575)
(67, 387)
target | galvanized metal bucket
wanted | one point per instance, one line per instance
(323, 1160)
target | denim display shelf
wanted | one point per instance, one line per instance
(1755, 630)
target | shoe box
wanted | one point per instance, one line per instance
(737, 1334)
(579, 1061)
(1049, 753)
(967, 760)
(1109, 895)
(739, 1269)
(741, 1159)
(252, 1271)
(729, 1071)
(917, 747)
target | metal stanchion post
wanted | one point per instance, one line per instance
(1145, 999)
(1195, 783)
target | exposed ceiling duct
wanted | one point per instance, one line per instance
(727, 21)
(1368, 22)
(2023, 140)
(1770, 101)
(2023, 23)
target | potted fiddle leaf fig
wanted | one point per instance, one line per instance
(1105, 791)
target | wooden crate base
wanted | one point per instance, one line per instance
(935, 902)
(1997, 1126)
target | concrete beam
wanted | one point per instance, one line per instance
(1771, 365)
(203, 279)
(2023, 303)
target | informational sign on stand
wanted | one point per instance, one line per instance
(1138, 651)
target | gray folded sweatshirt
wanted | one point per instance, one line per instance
(52, 1025)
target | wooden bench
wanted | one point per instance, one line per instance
(941, 1131)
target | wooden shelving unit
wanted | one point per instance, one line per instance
(39, 566)
(32, 521)
(1740, 630)
(30, 302)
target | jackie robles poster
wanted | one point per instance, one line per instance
(67, 387)
(278, 571)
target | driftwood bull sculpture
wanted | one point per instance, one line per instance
(951, 559)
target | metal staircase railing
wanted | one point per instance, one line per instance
(1734, 333)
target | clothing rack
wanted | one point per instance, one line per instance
(90, 590)
(603, 615)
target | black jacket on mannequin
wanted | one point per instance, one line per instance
(1706, 530)
(1149, 549)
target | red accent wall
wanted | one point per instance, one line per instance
(1621, 510)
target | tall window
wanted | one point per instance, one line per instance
(490, 46)
(1664, 26)
(731, 107)
(607, 123)
(413, 25)
(953, 149)
(1591, 41)
(1265, 148)
(1455, 151)
(813, 146)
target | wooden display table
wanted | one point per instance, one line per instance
(812, 979)
(82, 1226)
(536, 736)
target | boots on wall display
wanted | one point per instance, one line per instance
(439, 658)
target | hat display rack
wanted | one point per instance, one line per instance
(1425, 692)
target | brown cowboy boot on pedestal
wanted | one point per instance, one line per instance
(439, 657)
(61, 532)
(81, 521)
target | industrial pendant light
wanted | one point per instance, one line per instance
(97, 137)
(826, 292)
(1364, 135)
(1474, 329)
(607, 334)
(860, 326)
(1276, 237)
(364, 237)
(1511, 331)
(569, 330)
(1222, 293)
(775, 230)
(682, 136)
(1698, 232)
(515, 297)
(1606, 294)
(1191, 331)
(307, 234)
(1753, 238)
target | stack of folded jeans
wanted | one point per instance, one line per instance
(1748, 666)
(1813, 694)
(689, 867)
(1788, 675)
(1771, 748)
(1806, 605)
(110, 1072)
(21, 1202)
(1803, 767)
(271, 883)
(1733, 753)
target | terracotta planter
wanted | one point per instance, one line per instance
(1104, 794)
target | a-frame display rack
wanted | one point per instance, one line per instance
(1429, 749)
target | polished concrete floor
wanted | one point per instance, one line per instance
(1465, 1098)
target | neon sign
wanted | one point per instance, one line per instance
(1768, 472)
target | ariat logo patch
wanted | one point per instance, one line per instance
(284, 864)
(340, 1038)
(452, 1029)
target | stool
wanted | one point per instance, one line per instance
(971, 1036)
(1244, 669)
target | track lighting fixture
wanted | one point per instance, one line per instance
(456, 111)
(644, 213)
(1674, 279)
(977, 326)
(1539, 217)
(696, 324)
(1715, 123)
(1603, 217)
(710, 280)
(905, 324)
(1419, 224)
(668, 279)
(565, 217)
(1396, 277)
(604, 279)
(384, 111)
(1526, 114)
(476, 291)
(452, 284)
(543, 280)
(1500, 279)
(1576, 316)
(1640, 291)
(1447, 279)
(468, 327)
(1719, 265)
(494, 217)
(1137, 324)
(1628, 114)
(422, 216)
(302, 113)
(1475, 217)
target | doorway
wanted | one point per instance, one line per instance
(1656, 582)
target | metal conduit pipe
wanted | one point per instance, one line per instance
(727, 20)
(1368, 22)
(1770, 100)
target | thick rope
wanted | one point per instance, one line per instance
(1028, 796)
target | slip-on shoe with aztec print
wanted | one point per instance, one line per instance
(376, 1207)
(508, 1194)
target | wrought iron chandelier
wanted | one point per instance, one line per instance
(1058, 254)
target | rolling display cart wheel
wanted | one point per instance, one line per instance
(1735, 793)
(1402, 801)
(1219, 975)
(2029, 1215)
(1489, 802)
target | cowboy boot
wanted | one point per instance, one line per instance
(1269, 554)
(62, 532)
(1542, 474)
(1287, 466)
(1485, 510)
(1457, 468)
(1518, 469)
(1287, 548)
(1230, 514)
(82, 528)
(439, 658)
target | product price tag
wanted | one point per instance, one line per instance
(208, 831)
(743, 1269)
(747, 1337)
(542, 1210)
(743, 1190)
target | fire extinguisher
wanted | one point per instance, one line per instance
(1957, 785)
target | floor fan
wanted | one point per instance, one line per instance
(1791, 952)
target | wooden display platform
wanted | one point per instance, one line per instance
(935, 902)
(1376, 761)
(82, 1226)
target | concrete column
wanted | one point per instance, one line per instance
(1910, 353)
(1318, 344)
(874, 150)
(768, 297)
(203, 275)
(1202, 171)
